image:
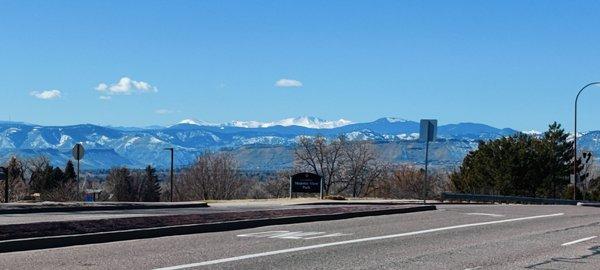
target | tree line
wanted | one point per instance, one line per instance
(37, 179)
(36, 176)
(525, 165)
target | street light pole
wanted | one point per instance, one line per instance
(172, 150)
(575, 174)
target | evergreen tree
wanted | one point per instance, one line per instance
(521, 165)
(557, 160)
(70, 175)
(41, 179)
(150, 190)
(14, 170)
(57, 177)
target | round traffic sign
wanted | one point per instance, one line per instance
(78, 151)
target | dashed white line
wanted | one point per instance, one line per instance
(579, 241)
(290, 250)
(292, 235)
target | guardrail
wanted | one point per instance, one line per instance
(447, 196)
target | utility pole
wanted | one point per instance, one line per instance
(171, 173)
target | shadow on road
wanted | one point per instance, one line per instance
(561, 262)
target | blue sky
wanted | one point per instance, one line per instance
(512, 64)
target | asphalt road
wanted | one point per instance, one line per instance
(453, 237)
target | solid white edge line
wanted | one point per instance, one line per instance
(579, 241)
(275, 252)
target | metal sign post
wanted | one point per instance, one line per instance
(427, 134)
(171, 171)
(78, 153)
(321, 189)
(290, 187)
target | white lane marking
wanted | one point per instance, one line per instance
(262, 234)
(579, 241)
(485, 214)
(289, 250)
(296, 235)
(292, 235)
(328, 235)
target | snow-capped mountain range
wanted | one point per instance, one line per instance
(304, 121)
(256, 145)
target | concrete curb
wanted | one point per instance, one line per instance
(358, 203)
(588, 204)
(114, 236)
(49, 209)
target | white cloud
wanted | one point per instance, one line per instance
(126, 86)
(105, 97)
(47, 94)
(163, 111)
(102, 87)
(287, 83)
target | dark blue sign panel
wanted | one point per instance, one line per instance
(306, 183)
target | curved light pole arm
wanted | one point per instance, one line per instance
(575, 174)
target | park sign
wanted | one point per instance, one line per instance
(78, 152)
(306, 183)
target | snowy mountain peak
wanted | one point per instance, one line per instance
(197, 122)
(391, 120)
(303, 121)
(311, 122)
(532, 132)
(395, 119)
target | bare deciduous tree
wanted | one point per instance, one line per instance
(214, 176)
(348, 167)
(404, 182)
(362, 169)
(280, 186)
(17, 187)
(321, 157)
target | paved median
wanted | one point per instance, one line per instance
(49, 207)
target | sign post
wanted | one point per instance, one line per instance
(427, 134)
(4, 177)
(78, 153)
(171, 171)
(306, 183)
